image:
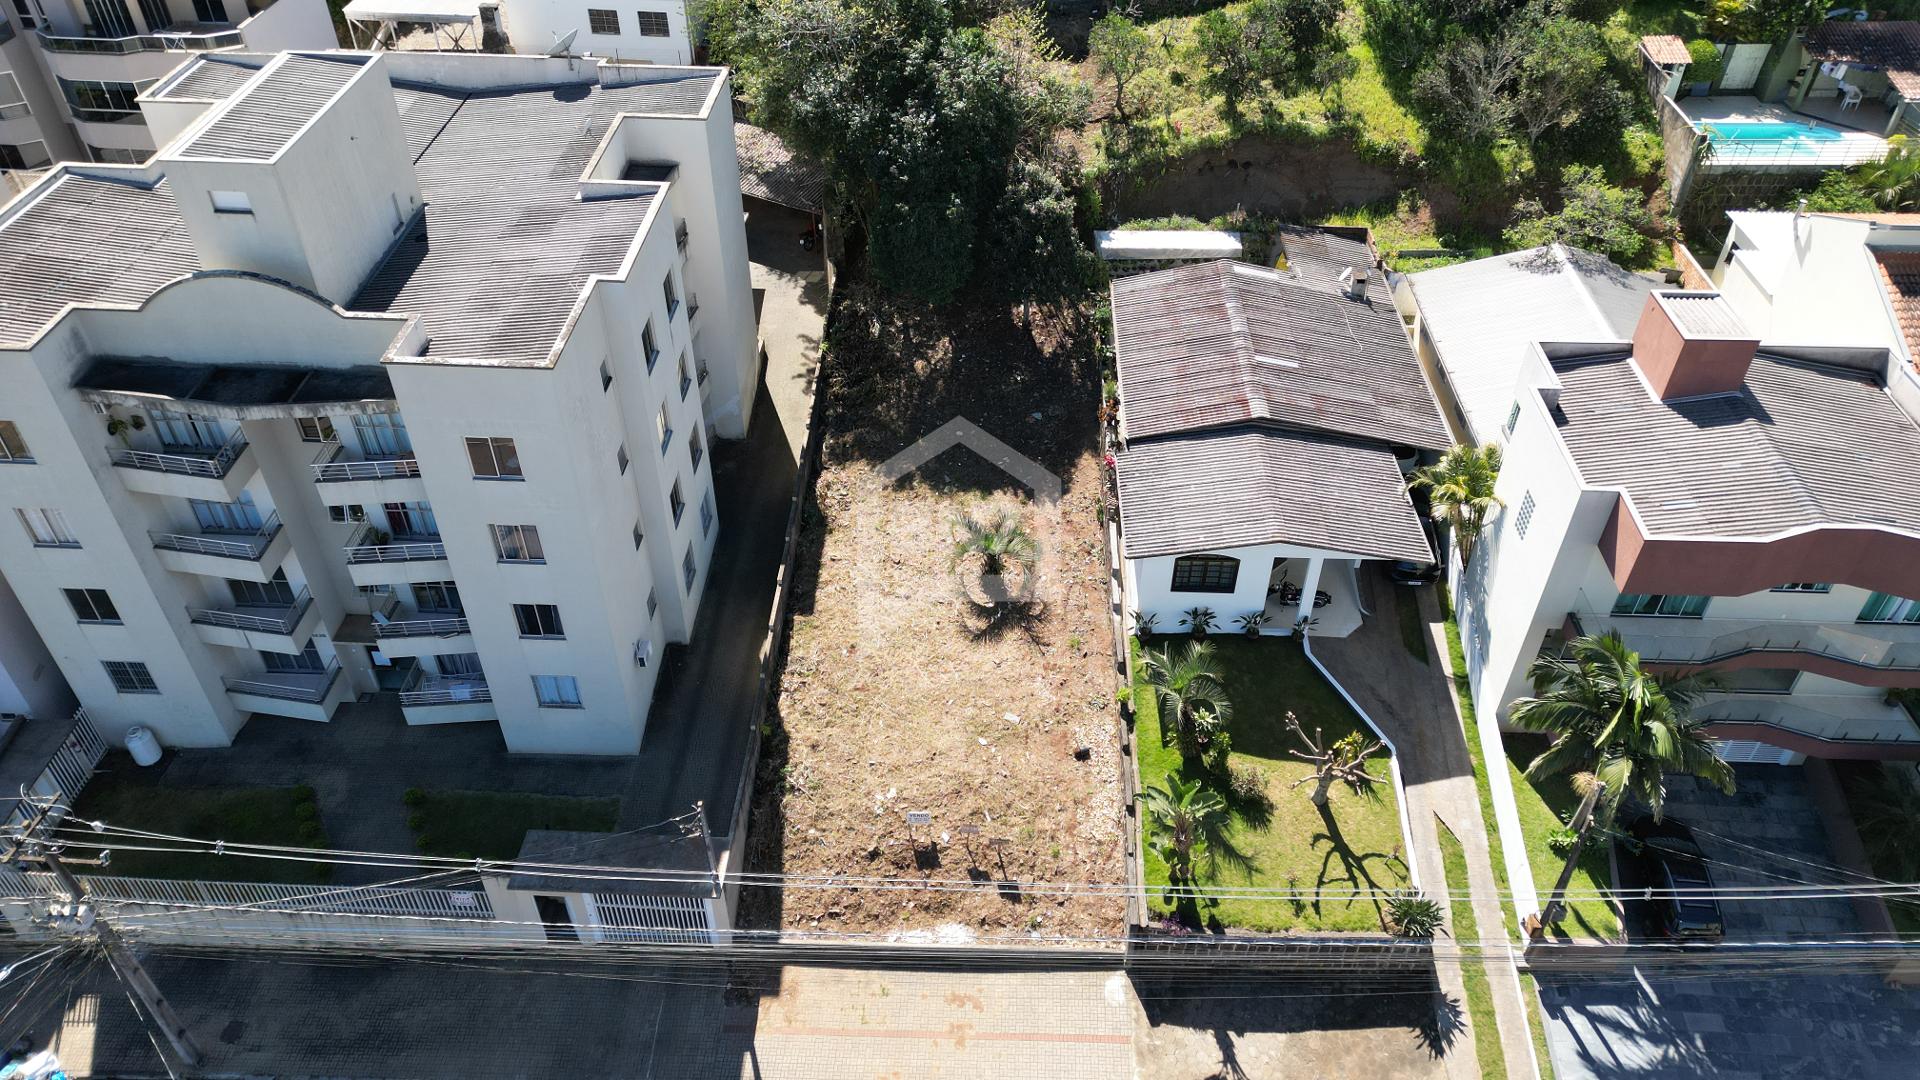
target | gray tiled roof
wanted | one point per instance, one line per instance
(1484, 315)
(264, 118)
(770, 170)
(215, 77)
(1223, 343)
(681, 853)
(1801, 444)
(498, 259)
(1249, 486)
(1704, 315)
(83, 241)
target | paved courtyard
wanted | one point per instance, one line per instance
(1701, 1021)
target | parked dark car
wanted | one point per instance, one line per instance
(1671, 861)
(1413, 572)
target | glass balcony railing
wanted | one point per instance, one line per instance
(201, 39)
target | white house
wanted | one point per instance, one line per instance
(1267, 420)
(654, 32)
(392, 372)
(1824, 279)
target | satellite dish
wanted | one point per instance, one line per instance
(562, 44)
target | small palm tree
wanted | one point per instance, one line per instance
(1893, 183)
(1186, 822)
(1191, 695)
(1617, 724)
(1000, 540)
(1460, 490)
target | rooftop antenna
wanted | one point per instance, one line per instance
(563, 43)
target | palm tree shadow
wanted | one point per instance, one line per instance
(1352, 862)
(991, 622)
(1437, 1033)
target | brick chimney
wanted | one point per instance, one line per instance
(1691, 344)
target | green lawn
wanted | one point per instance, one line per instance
(122, 794)
(1355, 846)
(1473, 968)
(1545, 807)
(492, 825)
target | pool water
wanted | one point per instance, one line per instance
(1768, 132)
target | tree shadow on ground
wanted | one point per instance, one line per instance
(1354, 863)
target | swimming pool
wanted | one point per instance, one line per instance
(1768, 132)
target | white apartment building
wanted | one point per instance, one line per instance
(651, 32)
(71, 70)
(391, 372)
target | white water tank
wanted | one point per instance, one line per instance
(143, 746)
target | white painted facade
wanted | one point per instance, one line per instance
(605, 28)
(435, 593)
(1811, 279)
(1149, 584)
(30, 682)
(87, 72)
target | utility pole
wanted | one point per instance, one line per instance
(125, 964)
(1556, 905)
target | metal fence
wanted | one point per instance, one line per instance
(283, 622)
(214, 463)
(68, 770)
(631, 917)
(327, 472)
(139, 43)
(444, 627)
(244, 546)
(446, 690)
(309, 686)
(360, 551)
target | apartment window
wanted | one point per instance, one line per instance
(275, 593)
(1513, 419)
(1803, 586)
(696, 446)
(673, 298)
(47, 528)
(686, 377)
(230, 202)
(1676, 607)
(315, 429)
(518, 544)
(130, 677)
(1884, 607)
(31, 155)
(1205, 573)
(557, 691)
(382, 435)
(110, 18)
(675, 502)
(538, 620)
(210, 11)
(664, 422)
(414, 520)
(653, 602)
(101, 97)
(107, 155)
(647, 347)
(353, 512)
(606, 376)
(92, 606)
(602, 21)
(13, 448)
(620, 456)
(26, 18)
(190, 431)
(638, 536)
(706, 514)
(437, 596)
(652, 23)
(1525, 517)
(494, 459)
(687, 569)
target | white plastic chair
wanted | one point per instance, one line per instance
(1849, 96)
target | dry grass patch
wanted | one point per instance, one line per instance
(900, 692)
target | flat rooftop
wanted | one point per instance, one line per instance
(1800, 445)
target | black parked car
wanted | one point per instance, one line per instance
(1670, 861)
(1411, 572)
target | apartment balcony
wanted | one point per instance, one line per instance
(137, 58)
(249, 556)
(302, 695)
(1870, 654)
(213, 475)
(396, 562)
(344, 477)
(1819, 725)
(427, 635)
(281, 628)
(440, 699)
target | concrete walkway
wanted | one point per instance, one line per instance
(1413, 706)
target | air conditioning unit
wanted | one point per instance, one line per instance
(642, 651)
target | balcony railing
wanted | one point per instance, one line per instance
(445, 626)
(108, 116)
(185, 461)
(14, 110)
(262, 618)
(1878, 646)
(447, 690)
(237, 545)
(308, 686)
(331, 467)
(405, 549)
(1853, 719)
(194, 41)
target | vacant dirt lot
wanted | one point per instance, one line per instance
(899, 693)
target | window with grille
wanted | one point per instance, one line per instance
(13, 448)
(1205, 573)
(696, 446)
(557, 691)
(602, 21)
(647, 347)
(47, 528)
(664, 422)
(687, 569)
(538, 620)
(652, 23)
(686, 377)
(130, 677)
(494, 459)
(673, 298)
(1524, 517)
(675, 502)
(315, 428)
(92, 605)
(518, 544)
(1804, 586)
